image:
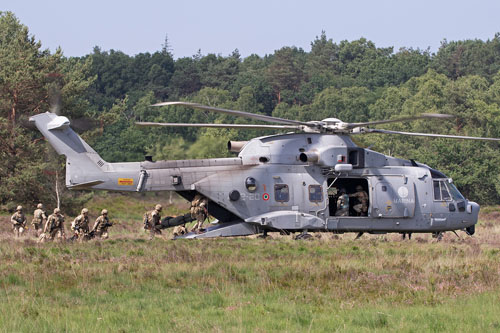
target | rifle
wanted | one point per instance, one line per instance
(107, 224)
(91, 234)
(51, 225)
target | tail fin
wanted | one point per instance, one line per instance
(84, 167)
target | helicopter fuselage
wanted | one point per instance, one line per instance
(287, 182)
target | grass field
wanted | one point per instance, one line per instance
(330, 283)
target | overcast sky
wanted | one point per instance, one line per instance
(254, 26)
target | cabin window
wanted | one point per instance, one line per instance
(281, 193)
(315, 193)
(251, 184)
(441, 192)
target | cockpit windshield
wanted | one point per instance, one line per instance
(444, 190)
(455, 193)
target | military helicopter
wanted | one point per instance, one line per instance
(285, 182)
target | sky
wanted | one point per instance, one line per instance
(253, 27)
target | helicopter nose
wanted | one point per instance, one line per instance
(472, 208)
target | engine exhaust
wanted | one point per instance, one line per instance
(235, 146)
(309, 157)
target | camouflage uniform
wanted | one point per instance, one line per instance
(152, 221)
(362, 207)
(39, 219)
(180, 230)
(80, 225)
(18, 221)
(199, 211)
(101, 225)
(342, 204)
(54, 226)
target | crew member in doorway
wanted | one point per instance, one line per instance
(361, 208)
(342, 204)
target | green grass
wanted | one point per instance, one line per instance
(331, 283)
(267, 285)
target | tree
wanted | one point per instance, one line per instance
(26, 75)
(469, 57)
(286, 73)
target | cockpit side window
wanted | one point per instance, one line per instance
(437, 191)
(441, 192)
(444, 192)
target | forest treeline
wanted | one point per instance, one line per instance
(106, 92)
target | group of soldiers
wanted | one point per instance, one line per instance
(361, 206)
(198, 212)
(50, 227)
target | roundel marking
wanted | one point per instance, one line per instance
(265, 196)
(403, 192)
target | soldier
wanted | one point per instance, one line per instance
(54, 227)
(342, 204)
(152, 221)
(39, 219)
(80, 226)
(101, 225)
(180, 230)
(362, 197)
(18, 221)
(199, 212)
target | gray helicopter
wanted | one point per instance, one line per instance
(288, 183)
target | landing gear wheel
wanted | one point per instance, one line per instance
(304, 235)
(265, 235)
(438, 235)
(470, 230)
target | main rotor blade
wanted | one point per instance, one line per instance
(373, 130)
(242, 126)
(237, 113)
(398, 120)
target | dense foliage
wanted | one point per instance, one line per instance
(349, 80)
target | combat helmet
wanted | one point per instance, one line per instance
(39, 206)
(19, 208)
(158, 207)
(85, 211)
(104, 212)
(57, 210)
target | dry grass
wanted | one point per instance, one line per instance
(247, 284)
